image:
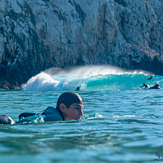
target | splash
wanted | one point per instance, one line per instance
(93, 116)
(89, 78)
(42, 82)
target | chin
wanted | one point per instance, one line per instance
(76, 118)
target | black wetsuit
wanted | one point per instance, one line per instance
(154, 87)
(50, 114)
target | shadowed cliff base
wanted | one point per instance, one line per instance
(75, 70)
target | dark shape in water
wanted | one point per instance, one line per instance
(149, 77)
(5, 119)
(155, 86)
(78, 88)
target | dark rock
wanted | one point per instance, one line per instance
(35, 36)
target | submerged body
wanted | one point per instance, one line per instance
(155, 86)
(69, 106)
(50, 114)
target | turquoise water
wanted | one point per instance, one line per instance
(120, 122)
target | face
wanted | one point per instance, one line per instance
(75, 111)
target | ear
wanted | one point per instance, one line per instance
(62, 107)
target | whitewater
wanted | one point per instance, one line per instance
(90, 78)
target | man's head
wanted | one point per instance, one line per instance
(71, 105)
(145, 85)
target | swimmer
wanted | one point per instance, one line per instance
(69, 106)
(149, 78)
(78, 88)
(145, 85)
(155, 86)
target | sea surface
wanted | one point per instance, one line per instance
(122, 121)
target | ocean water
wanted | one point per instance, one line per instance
(120, 124)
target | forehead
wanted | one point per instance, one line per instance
(78, 104)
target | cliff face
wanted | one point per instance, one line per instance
(36, 35)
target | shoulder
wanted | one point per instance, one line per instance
(52, 114)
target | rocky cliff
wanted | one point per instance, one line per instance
(36, 35)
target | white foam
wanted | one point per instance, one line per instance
(56, 79)
(41, 82)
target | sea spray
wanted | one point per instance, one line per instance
(42, 82)
(90, 78)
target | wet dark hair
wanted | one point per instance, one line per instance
(68, 98)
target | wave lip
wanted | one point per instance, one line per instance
(90, 78)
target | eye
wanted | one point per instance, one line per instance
(78, 107)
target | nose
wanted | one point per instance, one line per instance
(81, 113)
